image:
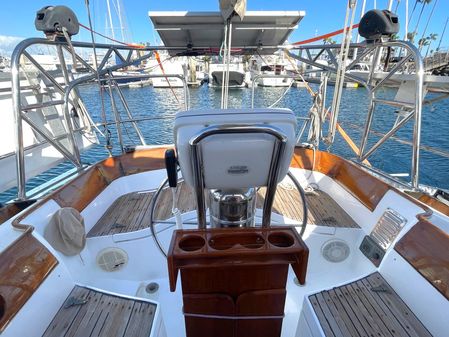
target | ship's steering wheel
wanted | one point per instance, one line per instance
(165, 182)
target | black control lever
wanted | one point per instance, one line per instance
(171, 164)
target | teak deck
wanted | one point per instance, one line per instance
(102, 315)
(130, 212)
(322, 209)
(367, 307)
(24, 266)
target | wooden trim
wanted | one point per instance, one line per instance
(24, 266)
(368, 189)
(82, 190)
(97, 178)
(425, 247)
(435, 204)
(8, 211)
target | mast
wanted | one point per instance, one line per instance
(406, 20)
(442, 34)
(110, 18)
(362, 12)
(361, 15)
(122, 28)
(390, 4)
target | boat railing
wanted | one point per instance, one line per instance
(411, 110)
(69, 97)
(64, 95)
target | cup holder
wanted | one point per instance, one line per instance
(247, 240)
(281, 240)
(191, 243)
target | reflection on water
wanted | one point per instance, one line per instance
(161, 104)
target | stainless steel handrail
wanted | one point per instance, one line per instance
(197, 164)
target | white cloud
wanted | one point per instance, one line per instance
(8, 43)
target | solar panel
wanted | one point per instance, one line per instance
(203, 32)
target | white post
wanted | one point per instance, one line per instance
(122, 28)
(406, 20)
(110, 18)
(361, 15)
(390, 4)
(362, 12)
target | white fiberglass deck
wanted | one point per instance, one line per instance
(321, 273)
(146, 264)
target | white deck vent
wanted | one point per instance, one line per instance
(388, 228)
(335, 251)
(112, 259)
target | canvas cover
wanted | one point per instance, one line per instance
(228, 7)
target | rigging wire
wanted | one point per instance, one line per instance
(223, 55)
(135, 45)
(397, 6)
(297, 72)
(282, 96)
(226, 50)
(82, 109)
(160, 64)
(427, 25)
(103, 109)
(309, 89)
(228, 62)
(415, 31)
(325, 36)
(344, 55)
(316, 119)
(442, 34)
(158, 59)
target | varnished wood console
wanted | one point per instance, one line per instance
(234, 280)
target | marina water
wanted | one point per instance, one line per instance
(161, 105)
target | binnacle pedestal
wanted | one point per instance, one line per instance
(234, 280)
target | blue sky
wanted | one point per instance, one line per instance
(322, 16)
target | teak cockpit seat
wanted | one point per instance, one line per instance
(87, 312)
(29, 299)
(367, 307)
